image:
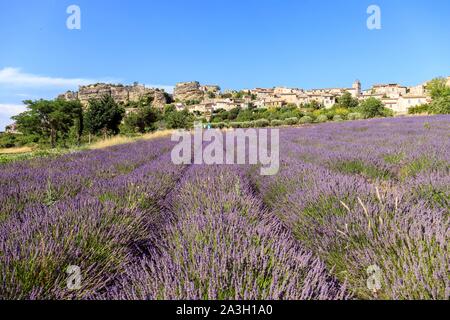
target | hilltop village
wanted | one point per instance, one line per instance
(205, 99)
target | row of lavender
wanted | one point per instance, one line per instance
(224, 245)
(111, 214)
(89, 209)
(368, 195)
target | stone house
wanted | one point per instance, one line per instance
(409, 101)
(392, 90)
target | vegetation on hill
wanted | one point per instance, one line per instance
(440, 93)
(346, 108)
(61, 123)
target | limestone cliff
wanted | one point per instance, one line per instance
(120, 93)
(185, 91)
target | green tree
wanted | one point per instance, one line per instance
(50, 119)
(440, 93)
(438, 88)
(440, 105)
(76, 109)
(233, 113)
(372, 107)
(179, 119)
(143, 120)
(104, 115)
(347, 101)
(245, 115)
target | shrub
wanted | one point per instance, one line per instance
(423, 108)
(291, 121)
(338, 118)
(218, 125)
(8, 140)
(276, 123)
(355, 116)
(322, 118)
(319, 112)
(236, 125)
(306, 119)
(261, 123)
(386, 112)
(343, 112)
(248, 124)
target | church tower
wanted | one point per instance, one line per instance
(357, 87)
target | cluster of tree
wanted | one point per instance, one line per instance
(62, 122)
(345, 106)
(238, 95)
(51, 121)
(440, 94)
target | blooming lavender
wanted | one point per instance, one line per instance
(349, 195)
(370, 193)
(224, 245)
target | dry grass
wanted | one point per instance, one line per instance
(118, 140)
(17, 150)
(157, 134)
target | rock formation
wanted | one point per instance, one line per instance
(120, 93)
(186, 91)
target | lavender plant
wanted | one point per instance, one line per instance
(350, 197)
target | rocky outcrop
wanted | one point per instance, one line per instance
(120, 93)
(69, 95)
(188, 91)
(160, 98)
(215, 89)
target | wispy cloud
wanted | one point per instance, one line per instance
(15, 77)
(11, 109)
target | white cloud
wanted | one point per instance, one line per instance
(23, 95)
(11, 109)
(16, 78)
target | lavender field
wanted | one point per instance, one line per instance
(349, 196)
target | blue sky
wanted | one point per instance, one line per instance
(236, 44)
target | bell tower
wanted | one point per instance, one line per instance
(357, 87)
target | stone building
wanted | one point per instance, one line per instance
(419, 90)
(408, 101)
(262, 93)
(392, 90)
